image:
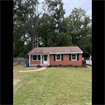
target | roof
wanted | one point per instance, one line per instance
(55, 50)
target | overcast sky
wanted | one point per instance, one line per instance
(84, 4)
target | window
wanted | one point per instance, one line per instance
(74, 57)
(36, 57)
(58, 57)
(45, 57)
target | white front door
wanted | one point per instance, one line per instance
(45, 59)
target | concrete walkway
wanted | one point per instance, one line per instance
(43, 68)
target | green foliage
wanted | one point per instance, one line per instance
(74, 30)
(76, 65)
(21, 55)
(50, 66)
(83, 65)
(79, 29)
(83, 61)
(70, 65)
(55, 65)
(60, 65)
(65, 66)
(38, 65)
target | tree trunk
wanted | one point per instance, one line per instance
(33, 41)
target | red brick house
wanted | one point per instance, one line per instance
(71, 55)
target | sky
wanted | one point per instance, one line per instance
(84, 4)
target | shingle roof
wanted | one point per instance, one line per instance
(47, 50)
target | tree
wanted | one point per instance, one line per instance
(79, 28)
(53, 26)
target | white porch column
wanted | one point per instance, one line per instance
(29, 60)
(48, 59)
(41, 60)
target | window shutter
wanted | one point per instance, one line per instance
(62, 57)
(77, 56)
(70, 57)
(54, 57)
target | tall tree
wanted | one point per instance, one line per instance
(79, 27)
(55, 16)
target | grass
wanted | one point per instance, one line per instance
(16, 74)
(54, 86)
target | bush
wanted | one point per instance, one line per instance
(55, 65)
(83, 62)
(83, 65)
(49, 66)
(65, 65)
(70, 65)
(38, 66)
(76, 65)
(60, 65)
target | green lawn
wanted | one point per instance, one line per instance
(53, 86)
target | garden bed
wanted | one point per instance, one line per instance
(67, 66)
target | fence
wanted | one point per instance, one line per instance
(89, 62)
(19, 60)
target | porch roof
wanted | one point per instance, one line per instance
(54, 50)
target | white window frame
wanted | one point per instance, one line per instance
(37, 58)
(56, 57)
(74, 59)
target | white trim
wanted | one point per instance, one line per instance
(73, 59)
(41, 59)
(29, 60)
(37, 54)
(59, 53)
(56, 57)
(65, 52)
(37, 58)
(48, 59)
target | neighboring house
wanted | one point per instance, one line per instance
(70, 55)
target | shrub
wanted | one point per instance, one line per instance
(83, 65)
(76, 65)
(60, 65)
(65, 65)
(38, 66)
(49, 65)
(83, 61)
(70, 65)
(55, 65)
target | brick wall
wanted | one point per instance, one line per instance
(34, 62)
(66, 60)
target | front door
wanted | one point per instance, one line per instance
(45, 59)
